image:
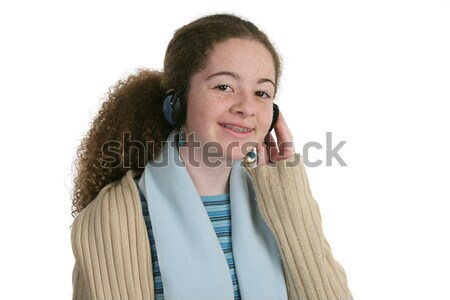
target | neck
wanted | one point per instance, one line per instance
(209, 180)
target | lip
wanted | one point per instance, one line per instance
(248, 129)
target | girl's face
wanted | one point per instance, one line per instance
(230, 101)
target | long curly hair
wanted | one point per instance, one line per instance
(131, 117)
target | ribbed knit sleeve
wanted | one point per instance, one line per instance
(286, 203)
(111, 247)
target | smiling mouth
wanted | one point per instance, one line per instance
(236, 128)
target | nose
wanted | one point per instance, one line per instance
(243, 105)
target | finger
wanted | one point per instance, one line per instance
(284, 153)
(262, 156)
(272, 147)
(282, 130)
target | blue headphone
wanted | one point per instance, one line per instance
(174, 108)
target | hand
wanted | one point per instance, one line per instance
(283, 148)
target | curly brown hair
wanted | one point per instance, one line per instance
(131, 117)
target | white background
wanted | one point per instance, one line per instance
(374, 73)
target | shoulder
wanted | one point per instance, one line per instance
(110, 242)
(116, 205)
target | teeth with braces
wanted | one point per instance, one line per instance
(237, 129)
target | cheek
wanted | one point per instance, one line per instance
(201, 116)
(197, 105)
(195, 121)
(194, 109)
(266, 118)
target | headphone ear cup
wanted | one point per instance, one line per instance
(168, 107)
(174, 108)
(276, 112)
(179, 108)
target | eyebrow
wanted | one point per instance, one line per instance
(236, 76)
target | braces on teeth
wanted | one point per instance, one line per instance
(237, 129)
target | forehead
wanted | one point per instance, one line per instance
(246, 57)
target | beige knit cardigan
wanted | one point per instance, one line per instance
(112, 249)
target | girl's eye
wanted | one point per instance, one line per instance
(263, 95)
(223, 87)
